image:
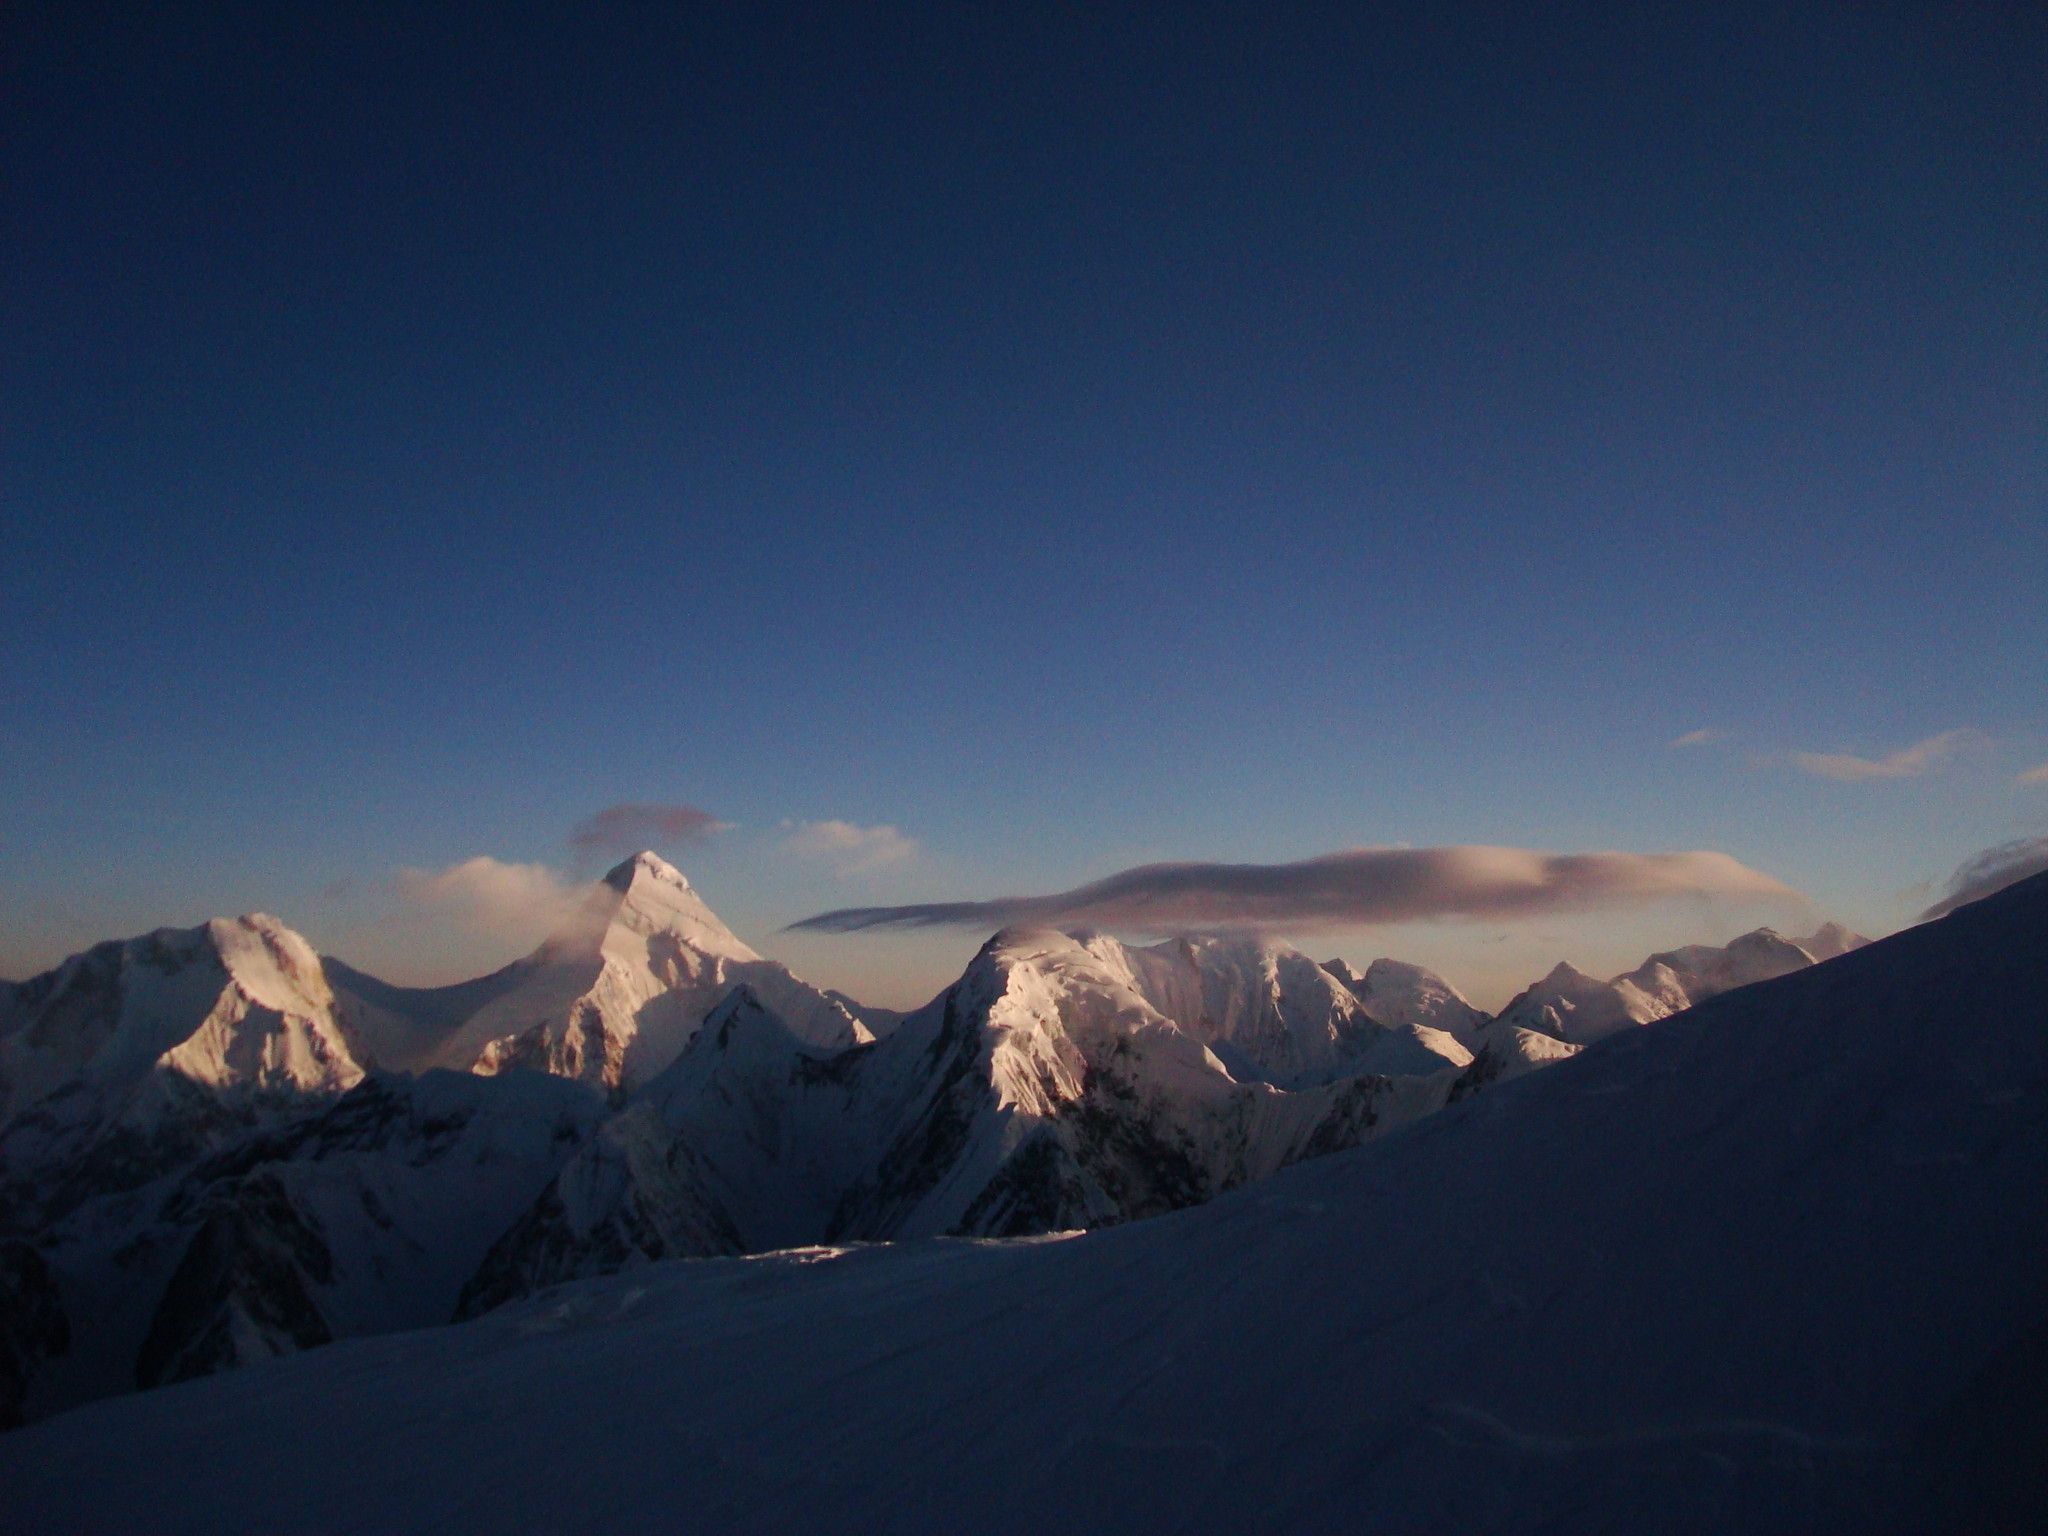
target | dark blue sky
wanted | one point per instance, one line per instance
(1066, 436)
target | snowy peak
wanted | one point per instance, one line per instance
(1398, 994)
(1830, 941)
(1268, 1011)
(140, 1055)
(235, 1005)
(1681, 978)
(654, 899)
(1569, 1005)
(614, 996)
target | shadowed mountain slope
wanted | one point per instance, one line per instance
(1752, 1268)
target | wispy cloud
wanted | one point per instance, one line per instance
(488, 899)
(1923, 757)
(1362, 886)
(2034, 776)
(1991, 871)
(850, 849)
(630, 828)
(1700, 738)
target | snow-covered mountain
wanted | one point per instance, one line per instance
(201, 1164)
(1269, 1012)
(362, 1216)
(213, 1149)
(1398, 995)
(139, 1056)
(1768, 1266)
(610, 1000)
(1569, 1005)
(1042, 1091)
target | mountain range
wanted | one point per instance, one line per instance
(217, 1146)
(1768, 1265)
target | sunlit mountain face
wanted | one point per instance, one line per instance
(1629, 1285)
(807, 767)
(221, 1147)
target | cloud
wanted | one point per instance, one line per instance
(630, 828)
(1362, 886)
(1991, 871)
(1908, 763)
(1701, 738)
(2034, 776)
(488, 898)
(850, 849)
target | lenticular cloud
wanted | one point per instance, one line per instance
(1361, 886)
(629, 828)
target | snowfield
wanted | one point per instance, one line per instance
(1771, 1264)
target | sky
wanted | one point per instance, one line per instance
(893, 456)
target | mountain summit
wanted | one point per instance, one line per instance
(611, 998)
(1769, 1267)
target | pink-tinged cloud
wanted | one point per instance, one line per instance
(1990, 872)
(1700, 738)
(485, 897)
(2034, 776)
(1913, 762)
(849, 848)
(632, 828)
(1359, 887)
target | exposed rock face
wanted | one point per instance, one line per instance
(33, 1327)
(364, 1215)
(136, 1057)
(1769, 1268)
(1042, 1092)
(199, 1157)
(207, 1158)
(243, 1290)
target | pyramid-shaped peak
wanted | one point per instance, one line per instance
(654, 898)
(644, 865)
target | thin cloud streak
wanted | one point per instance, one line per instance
(1356, 888)
(1701, 738)
(1990, 872)
(630, 828)
(2034, 776)
(1913, 762)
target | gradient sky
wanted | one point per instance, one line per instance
(1063, 437)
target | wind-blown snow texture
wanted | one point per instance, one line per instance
(1766, 1265)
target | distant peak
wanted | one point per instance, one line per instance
(648, 863)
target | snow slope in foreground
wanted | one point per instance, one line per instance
(1767, 1265)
